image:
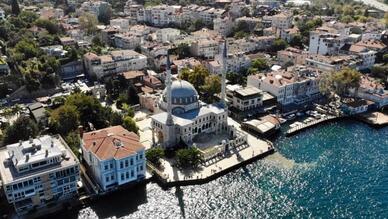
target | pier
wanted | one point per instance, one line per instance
(304, 126)
(374, 119)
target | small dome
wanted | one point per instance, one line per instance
(182, 92)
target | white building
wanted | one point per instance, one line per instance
(372, 90)
(167, 35)
(114, 155)
(234, 63)
(298, 85)
(244, 98)
(118, 61)
(122, 23)
(38, 172)
(94, 7)
(207, 48)
(223, 25)
(282, 20)
(328, 39)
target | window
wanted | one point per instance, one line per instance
(132, 173)
(131, 161)
(106, 167)
(126, 163)
(112, 177)
(121, 165)
(127, 175)
(107, 179)
(122, 176)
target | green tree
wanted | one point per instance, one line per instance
(188, 157)
(260, 64)
(195, 76)
(183, 50)
(89, 109)
(278, 44)
(130, 125)
(74, 142)
(22, 129)
(347, 19)
(297, 41)
(345, 79)
(15, 7)
(211, 86)
(88, 23)
(64, 119)
(154, 154)
(386, 19)
(105, 15)
(49, 25)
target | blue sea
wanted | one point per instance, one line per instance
(337, 170)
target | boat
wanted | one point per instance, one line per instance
(290, 117)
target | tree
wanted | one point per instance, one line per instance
(74, 142)
(105, 14)
(90, 110)
(64, 119)
(386, 19)
(188, 157)
(116, 119)
(49, 25)
(183, 50)
(339, 82)
(260, 64)
(297, 41)
(212, 86)
(278, 44)
(347, 19)
(22, 129)
(130, 125)
(195, 76)
(88, 22)
(153, 155)
(15, 7)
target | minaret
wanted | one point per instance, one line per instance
(224, 69)
(169, 121)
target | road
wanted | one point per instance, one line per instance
(376, 4)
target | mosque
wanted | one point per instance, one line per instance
(184, 118)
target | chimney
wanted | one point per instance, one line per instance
(81, 131)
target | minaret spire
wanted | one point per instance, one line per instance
(224, 69)
(168, 85)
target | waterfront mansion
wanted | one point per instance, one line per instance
(38, 172)
(114, 156)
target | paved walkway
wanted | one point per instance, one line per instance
(256, 147)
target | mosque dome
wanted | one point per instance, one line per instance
(182, 93)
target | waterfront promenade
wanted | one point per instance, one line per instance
(255, 149)
(299, 128)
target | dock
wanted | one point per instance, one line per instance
(304, 126)
(375, 119)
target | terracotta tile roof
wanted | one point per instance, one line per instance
(113, 142)
(132, 74)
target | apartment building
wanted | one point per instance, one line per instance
(244, 98)
(114, 156)
(333, 63)
(297, 85)
(167, 35)
(234, 63)
(116, 62)
(282, 20)
(38, 172)
(207, 48)
(368, 56)
(94, 7)
(292, 55)
(121, 23)
(328, 39)
(223, 25)
(372, 90)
